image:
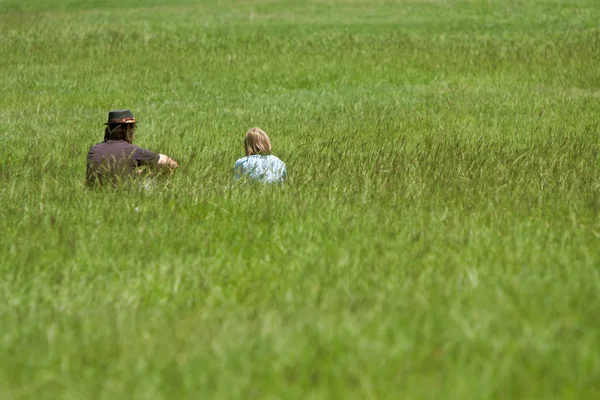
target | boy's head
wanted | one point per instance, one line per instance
(257, 142)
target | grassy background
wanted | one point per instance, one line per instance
(438, 236)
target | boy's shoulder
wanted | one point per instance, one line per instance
(241, 161)
(253, 159)
(275, 160)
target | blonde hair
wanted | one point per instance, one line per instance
(257, 142)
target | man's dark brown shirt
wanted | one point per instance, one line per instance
(116, 159)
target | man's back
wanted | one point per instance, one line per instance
(116, 159)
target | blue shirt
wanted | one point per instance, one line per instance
(265, 169)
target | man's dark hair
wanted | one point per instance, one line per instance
(120, 132)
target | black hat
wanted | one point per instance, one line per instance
(120, 117)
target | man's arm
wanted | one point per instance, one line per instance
(167, 161)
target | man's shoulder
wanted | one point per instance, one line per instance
(118, 145)
(101, 147)
(114, 144)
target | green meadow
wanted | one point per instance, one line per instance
(438, 236)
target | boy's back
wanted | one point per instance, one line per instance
(267, 169)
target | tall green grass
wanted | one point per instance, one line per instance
(438, 236)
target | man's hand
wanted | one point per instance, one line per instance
(167, 161)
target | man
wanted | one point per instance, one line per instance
(117, 159)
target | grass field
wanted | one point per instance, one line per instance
(438, 236)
